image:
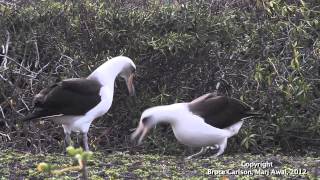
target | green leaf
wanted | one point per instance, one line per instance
(44, 167)
(71, 151)
(78, 156)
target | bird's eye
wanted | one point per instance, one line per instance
(133, 70)
(145, 120)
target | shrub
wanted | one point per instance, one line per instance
(263, 52)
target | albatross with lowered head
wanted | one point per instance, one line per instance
(75, 103)
(206, 121)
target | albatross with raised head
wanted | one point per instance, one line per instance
(206, 121)
(75, 103)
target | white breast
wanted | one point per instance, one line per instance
(193, 131)
(82, 123)
(69, 123)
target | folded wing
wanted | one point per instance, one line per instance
(220, 111)
(68, 97)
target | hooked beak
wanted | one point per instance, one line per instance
(142, 131)
(130, 85)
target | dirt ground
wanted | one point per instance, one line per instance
(22, 165)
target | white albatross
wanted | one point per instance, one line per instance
(75, 103)
(206, 121)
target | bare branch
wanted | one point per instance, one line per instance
(6, 48)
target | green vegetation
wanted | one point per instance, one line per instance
(78, 154)
(125, 166)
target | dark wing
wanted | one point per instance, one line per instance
(68, 97)
(219, 111)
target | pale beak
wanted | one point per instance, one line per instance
(130, 85)
(143, 134)
(142, 131)
(137, 131)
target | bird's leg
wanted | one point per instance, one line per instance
(216, 146)
(67, 139)
(213, 147)
(222, 147)
(203, 150)
(85, 141)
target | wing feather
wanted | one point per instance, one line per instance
(219, 111)
(68, 97)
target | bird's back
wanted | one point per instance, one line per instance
(219, 111)
(69, 97)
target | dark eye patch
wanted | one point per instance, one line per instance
(133, 70)
(146, 120)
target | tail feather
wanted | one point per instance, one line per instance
(31, 116)
(254, 114)
(38, 113)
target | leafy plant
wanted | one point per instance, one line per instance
(264, 52)
(81, 156)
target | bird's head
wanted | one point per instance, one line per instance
(118, 66)
(128, 73)
(147, 121)
(153, 116)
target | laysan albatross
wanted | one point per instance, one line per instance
(75, 103)
(206, 121)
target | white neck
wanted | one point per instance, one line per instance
(107, 72)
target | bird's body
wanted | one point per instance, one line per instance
(75, 103)
(206, 121)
